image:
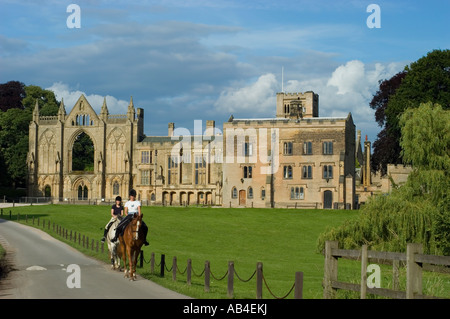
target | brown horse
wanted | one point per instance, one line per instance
(130, 245)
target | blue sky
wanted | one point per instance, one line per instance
(202, 59)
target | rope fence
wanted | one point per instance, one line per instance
(230, 274)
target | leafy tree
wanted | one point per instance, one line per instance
(83, 153)
(14, 125)
(426, 145)
(386, 148)
(419, 211)
(11, 95)
(48, 104)
(427, 79)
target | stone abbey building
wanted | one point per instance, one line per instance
(295, 159)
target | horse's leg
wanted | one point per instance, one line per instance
(132, 264)
(124, 258)
(135, 257)
(130, 261)
(114, 258)
(111, 255)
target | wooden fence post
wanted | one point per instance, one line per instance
(207, 275)
(163, 264)
(188, 271)
(298, 290)
(330, 270)
(230, 291)
(174, 268)
(413, 271)
(363, 271)
(259, 280)
(152, 263)
(395, 274)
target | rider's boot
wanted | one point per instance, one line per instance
(104, 236)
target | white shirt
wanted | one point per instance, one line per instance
(132, 206)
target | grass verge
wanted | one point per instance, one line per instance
(284, 240)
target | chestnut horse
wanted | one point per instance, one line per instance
(130, 245)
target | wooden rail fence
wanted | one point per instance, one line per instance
(415, 261)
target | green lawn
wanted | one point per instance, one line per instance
(284, 240)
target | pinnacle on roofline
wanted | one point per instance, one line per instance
(131, 102)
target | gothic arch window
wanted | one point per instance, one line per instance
(82, 192)
(234, 192)
(250, 192)
(83, 153)
(287, 172)
(83, 120)
(287, 148)
(116, 188)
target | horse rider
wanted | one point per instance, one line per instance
(116, 212)
(132, 207)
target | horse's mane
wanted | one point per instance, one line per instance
(135, 218)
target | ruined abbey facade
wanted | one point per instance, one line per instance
(295, 159)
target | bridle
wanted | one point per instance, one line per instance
(136, 236)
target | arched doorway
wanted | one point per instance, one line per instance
(182, 198)
(242, 197)
(200, 198)
(208, 199)
(165, 198)
(327, 199)
(47, 191)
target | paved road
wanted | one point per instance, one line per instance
(41, 264)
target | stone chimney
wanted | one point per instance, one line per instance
(171, 129)
(210, 126)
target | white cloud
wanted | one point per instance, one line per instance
(258, 97)
(62, 91)
(349, 88)
(348, 78)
